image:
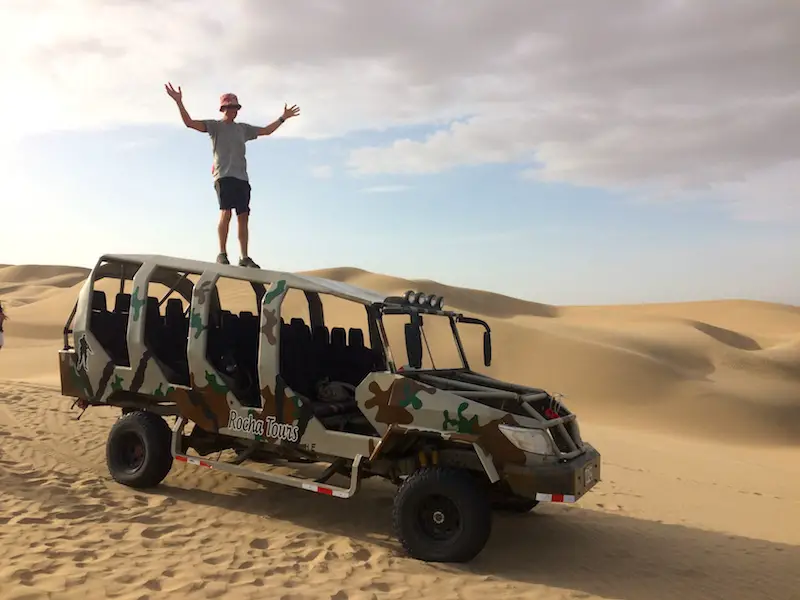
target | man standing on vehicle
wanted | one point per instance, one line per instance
(229, 170)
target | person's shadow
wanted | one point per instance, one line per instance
(565, 547)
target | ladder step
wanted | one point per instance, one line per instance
(303, 484)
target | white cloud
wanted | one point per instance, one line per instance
(385, 189)
(632, 94)
(322, 172)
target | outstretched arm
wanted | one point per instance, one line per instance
(177, 96)
(288, 113)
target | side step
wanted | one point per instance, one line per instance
(305, 484)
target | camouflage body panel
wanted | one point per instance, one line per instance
(269, 337)
(99, 375)
(208, 402)
(283, 411)
(392, 399)
(89, 372)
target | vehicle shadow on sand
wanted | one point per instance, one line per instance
(564, 547)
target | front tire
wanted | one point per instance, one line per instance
(138, 450)
(442, 515)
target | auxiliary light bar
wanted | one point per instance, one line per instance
(421, 299)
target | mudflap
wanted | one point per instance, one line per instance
(73, 381)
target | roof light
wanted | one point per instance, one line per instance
(421, 299)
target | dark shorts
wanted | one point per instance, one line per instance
(233, 194)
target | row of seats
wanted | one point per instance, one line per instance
(310, 356)
(233, 350)
(111, 328)
(165, 335)
(306, 357)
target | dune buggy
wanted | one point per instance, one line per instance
(263, 387)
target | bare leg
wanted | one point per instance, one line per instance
(222, 229)
(245, 260)
(243, 221)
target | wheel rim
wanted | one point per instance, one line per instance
(439, 518)
(131, 453)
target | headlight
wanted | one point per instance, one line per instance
(535, 441)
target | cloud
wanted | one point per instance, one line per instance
(647, 96)
(385, 189)
(322, 172)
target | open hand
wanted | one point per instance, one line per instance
(176, 95)
(288, 112)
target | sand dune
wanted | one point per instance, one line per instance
(695, 407)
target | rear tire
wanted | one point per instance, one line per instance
(138, 450)
(442, 515)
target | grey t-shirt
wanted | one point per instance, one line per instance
(228, 144)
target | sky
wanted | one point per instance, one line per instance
(571, 152)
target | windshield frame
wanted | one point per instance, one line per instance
(414, 313)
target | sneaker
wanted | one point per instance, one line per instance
(222, 258)
(246, 261)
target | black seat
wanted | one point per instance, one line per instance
(294, 352)
(176, 327)
(361, 360)
(99, 301)
(174, 311)
(101, 322)
(301, 357)
(248, 341)
(153, 325)
(338, 367)
(229, 329)
(337, 355)
(323, 410)
(172, 347)
(320, 342)
(119, 324)
(122, 303)
(215, 343)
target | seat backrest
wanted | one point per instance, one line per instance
(356, 338)
(338, 338)
(99, 301)
(320, 336)
(173, 313)
(248, 338)
(360, 359)
(153, 323)
(122, 303)
(295, 352)
(230, 326)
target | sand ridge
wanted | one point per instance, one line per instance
(694, 406)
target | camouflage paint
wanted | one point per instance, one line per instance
(384, 398)
(208, 401)
(287, 407)
(269, 339)
(137, 303)
(387, 399)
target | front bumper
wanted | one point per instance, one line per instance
(556, 482)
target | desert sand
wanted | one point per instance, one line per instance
(695, 408)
